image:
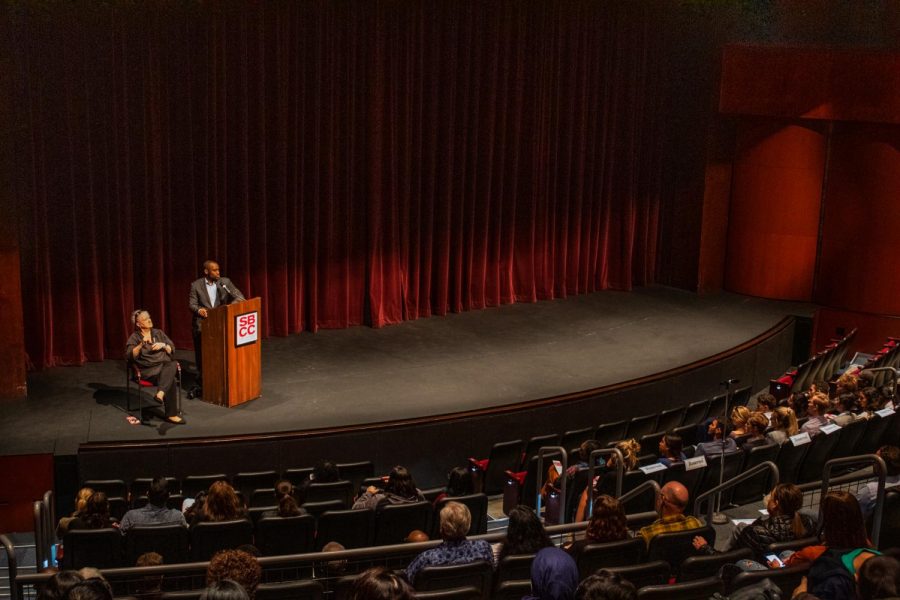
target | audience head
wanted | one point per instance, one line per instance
(846, 402)
(335, 567)
(459, 482)
(81, 499)
(525, 533)
(739, 417)
(96, 511)
(847, 383)
(224, 589)
(891, 457)
(608, 522)
(716, 429)
(630, 450)
(158, 492)
(222, 503)
(784, 499)
(325, 471)
(400, 483)
(766, 402)
(784, 419)
(818, 404)
(670, 445)
(287, 503)
(870, 399)
(236, 565)
(879, 578)
(605, 585)
(585, 450)
(455, 521)
(90, 588)
(554, 575)
(672, 499)
(59, 585)
(416, 536)
(842, 521)
(380, 583)
(757, 424)
(150, 583)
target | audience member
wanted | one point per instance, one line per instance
(718, 441)
(784, 423)
(236, 565)
(226, 589)
(867, 495)
(766, 404)
(845, 406)
(59, 585)
(605, 585)
(379, 583)
(848, 383)
(95, 514)
(784, 523)
(455, 520)
(155, 512)
(816, 408)
(325, 471)
(629, 449)
(608, 524)
(150, 586)
(670, 450)
(90, 588)
(553, 474)
(756, 427)
(525, 533)
(879, 578)
(671, 502)
(459, 483)
(287, 502)
(81, 499)
(869, 399)
(221, 504)
(336, 568)
(399, 489)
(554, 575)
(739, 417)
(416, 536)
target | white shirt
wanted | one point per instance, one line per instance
(212, 291)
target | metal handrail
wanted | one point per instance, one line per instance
(761, 467)
(49, 518)
(620, 472)
(880, 469)
(540, 474)
(12, 566)
(40, 549)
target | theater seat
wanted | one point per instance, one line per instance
(701, 589)
(209, 538)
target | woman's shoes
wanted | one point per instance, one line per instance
(176, 420)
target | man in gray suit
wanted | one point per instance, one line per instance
(208, 292)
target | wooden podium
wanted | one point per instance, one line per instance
(231, 353)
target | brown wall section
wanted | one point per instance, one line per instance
(23, 479)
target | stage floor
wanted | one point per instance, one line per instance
(419, 368)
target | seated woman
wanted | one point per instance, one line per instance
(670, 446)
(584, 455)
(455, 520)
(95, 514)
(784, 523)
(525, 534)
(846, 407)
(740, 415)
(629, 450)
(151, 350)
(287, 503)
(756, 428)
(399, 489)
(221, 504)
(459, 483)
(81, 499)
(784, 422)
(608, 524)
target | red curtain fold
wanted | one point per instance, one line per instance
(348, 162)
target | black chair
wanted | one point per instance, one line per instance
(631, 479)
(641, 426)
(512, 590)
(194, 484)
(608, 433)
(890, 520)
(100, 548)
(687, 433)
(263, 497)
(117, 507)
(317, 508)
(850, 435)
(516, 567)
(133, 377)
(113, 488)
(356, 472)
(670, 419)
(247, 482)
(255, 513)
(689, 479)
(651, 573)
(700, 589)
(821, 449)
(879, 428)
(351, 528)
(445, 577)
(431, 494)
(276, 536)
(298, 475)
(741, 396)
(324, 492)
(536, 443)
(460, 593)
(290, 590)
(758, 486)
(699, 567)
(529, 490)
(141, 486)
(209, 538)
(172, 542)
(677, 546)
(789, 460)
(478, 507)
(576, 437)
(779, 547)
(717, 407)
(622, 553)
(504, 456)
(696, 412)
(650, 442)
(787, 578)
(182, 595)
(393, 522)
(731, 469)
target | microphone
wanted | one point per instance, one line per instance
(728, 382)
(230, 292)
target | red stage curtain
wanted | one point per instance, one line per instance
(348, 162)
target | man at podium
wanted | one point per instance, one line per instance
(208, 292)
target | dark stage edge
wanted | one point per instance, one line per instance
(435, 366)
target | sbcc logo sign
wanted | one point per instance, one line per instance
(246, 328)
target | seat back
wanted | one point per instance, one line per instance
(193, 484)
(689, 479)
(700, 589)
(641, 426)
(534, 444)
(890, 520)
(351, 528)
(478, 507)
(731, 469)
(298, 475)
(779, 547)
(113, 488)
(324, 492)
(820, 450)
(393, 522)
(100, 548)
(610, 554)
(608, 433)
(687, 432)
(650, 442)
(790, 457)
(516, 567)
(505, 456)
(460, 593)
(787, 578)
(317, 508)
(717, 407)
(696, 412)
(670, 419)
(741, 396)
(285, 535)
(677, 546)
(576, 437)
(850, 435)
(650, 573)
(290, 590)
(879, 428)
(263, 497)
(755, 488)
(528, 495)
(117, 507)
(356, 472)
(512, 590)
(477, 574)
(169, 541)
(247, 482)
(698, 567)
(209, 538)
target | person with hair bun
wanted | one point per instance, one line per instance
(740, 415)
(287, 501)
(151, 350)
(784, 422)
